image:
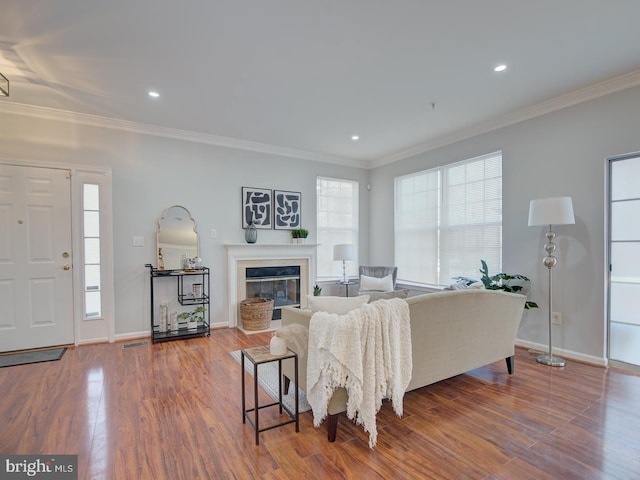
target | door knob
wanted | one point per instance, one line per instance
(66, 267)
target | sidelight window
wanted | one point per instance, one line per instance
(91, 250)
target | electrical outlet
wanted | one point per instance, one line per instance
(213, 233)
(556, 318)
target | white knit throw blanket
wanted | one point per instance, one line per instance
(368, 352)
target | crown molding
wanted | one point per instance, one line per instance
(601, 89)
(581, 95)
(54, 114)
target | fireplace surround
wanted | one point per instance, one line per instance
(243, 256)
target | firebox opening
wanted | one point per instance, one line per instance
(282, 284)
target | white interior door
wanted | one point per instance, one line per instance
(36, 289)
(624, 259)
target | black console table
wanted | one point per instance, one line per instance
(185, 297)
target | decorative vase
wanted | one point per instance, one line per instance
(278, 346)
(251, 233)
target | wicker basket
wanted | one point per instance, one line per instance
(256, 313)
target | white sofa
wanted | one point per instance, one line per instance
(452, 332)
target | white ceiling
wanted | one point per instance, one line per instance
(300, 77)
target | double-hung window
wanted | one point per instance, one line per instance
(447, 219)
(337, 223)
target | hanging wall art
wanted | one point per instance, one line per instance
(256, 207)
(287, 210)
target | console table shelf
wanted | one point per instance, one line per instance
(183, 277)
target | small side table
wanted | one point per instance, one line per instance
(346, 285)
(257, 356)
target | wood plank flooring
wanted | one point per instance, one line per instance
(173, 411)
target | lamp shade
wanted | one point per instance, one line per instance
(344, 251)
(551, 211)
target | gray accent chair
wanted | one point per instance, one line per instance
(378, 272)
(381, 272)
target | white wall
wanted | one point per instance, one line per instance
(151, 173)
(562, 153)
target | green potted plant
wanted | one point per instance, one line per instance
(500, 281)
(194, 317)
(317, 290)
(299, 235)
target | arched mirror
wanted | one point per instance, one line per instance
(177, 238)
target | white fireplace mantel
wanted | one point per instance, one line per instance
(245, 253)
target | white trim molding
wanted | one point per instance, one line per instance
(561, 352)
(591, 92)
(54, 114)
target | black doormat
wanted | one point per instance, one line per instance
(36, 356)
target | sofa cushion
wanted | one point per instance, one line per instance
(338, 305)
(384, 284)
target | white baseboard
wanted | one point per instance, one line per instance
(93, 341)
(217, 325)
(567, 354)
(119, 337)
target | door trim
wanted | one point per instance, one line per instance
(92, 330)
(607, 257)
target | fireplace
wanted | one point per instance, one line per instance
(280, 284)
(241, 257)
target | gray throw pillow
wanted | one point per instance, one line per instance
(373, 296)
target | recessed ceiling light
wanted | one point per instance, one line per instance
(154, 94)
(500, 68)
(355, 138)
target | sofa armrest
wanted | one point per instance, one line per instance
(291, 315)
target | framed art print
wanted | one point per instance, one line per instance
(287, 210)
(256, 207)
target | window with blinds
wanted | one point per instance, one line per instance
(337, 223)
(447, 219)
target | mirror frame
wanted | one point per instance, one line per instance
(162, 219)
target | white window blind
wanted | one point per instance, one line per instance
(337, 222)
(449, 218)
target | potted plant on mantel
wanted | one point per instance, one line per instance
(299, 235)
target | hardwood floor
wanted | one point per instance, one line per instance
(173, 411)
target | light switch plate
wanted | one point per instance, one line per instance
(138, 241)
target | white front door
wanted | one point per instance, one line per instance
(36, 290)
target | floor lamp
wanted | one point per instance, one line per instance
(551, 211)
(344, 252)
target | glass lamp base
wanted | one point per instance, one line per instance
(550, 360)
